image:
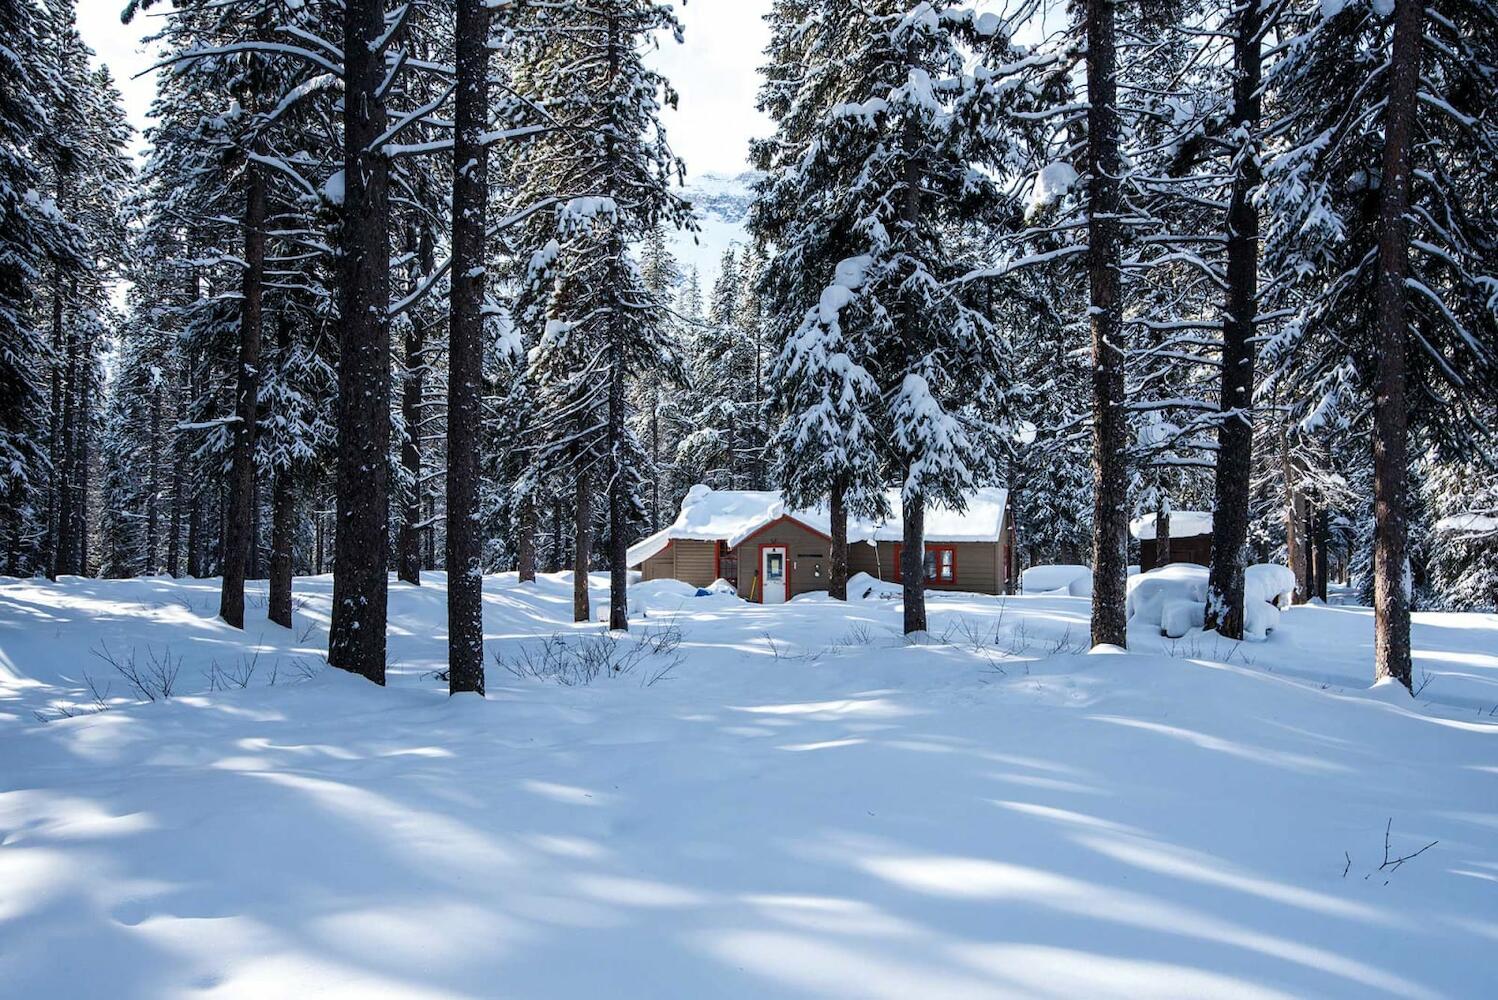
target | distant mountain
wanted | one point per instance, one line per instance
(721, 204)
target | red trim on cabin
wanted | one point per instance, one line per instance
(936, 563)
(780, 519)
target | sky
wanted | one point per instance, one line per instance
(714, 71)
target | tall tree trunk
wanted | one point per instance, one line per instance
(1321, 532)
(1109, 426)
(66, 473)
(83, 466)
(153, 483)
(837, 564)
(655, 456)
(582, 547)
(913, 562)
(361, 534)
(282, 507)
(179, 486)
(408, 542)
(1294, 517)
(1231, 483)
(317, 543)
(618, 547)
(195, 531)
(1391, 562)
(1162, 532)
(282, 527)
(465, 548)
(526, 529)
(239, 534)
(556, 536)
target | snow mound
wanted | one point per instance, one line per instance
(1080, 587)
(864, 587)
(1041, 579)
(1174, 597)
(1150, 592)
(1268, 583)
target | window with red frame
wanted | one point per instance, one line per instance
(941, 564)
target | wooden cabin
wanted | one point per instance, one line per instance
(770, 553)
(1190, 539)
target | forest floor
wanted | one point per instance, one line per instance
(745, 802)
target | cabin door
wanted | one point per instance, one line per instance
(772, 573)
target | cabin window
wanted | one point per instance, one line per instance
(941, 564)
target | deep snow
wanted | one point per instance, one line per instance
(804, 805)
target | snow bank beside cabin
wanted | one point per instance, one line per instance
(1046, 579)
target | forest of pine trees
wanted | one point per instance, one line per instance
(390, 291)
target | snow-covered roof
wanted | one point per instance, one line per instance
(731, 516)
(1183, 524)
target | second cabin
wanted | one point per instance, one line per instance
(771, 553)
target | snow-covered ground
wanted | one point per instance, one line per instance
(803, 805)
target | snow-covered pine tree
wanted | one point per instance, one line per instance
(1353, 148)
(608, 166)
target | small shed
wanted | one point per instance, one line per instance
(1190, 538)
(771, 552)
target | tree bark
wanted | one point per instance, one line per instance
(408, 542)
(239, 527)
(1391, 563)
(465, 580)
(556, 536)
(179, 485)
(82, 467)
(913, 562)
(282, 509)
(526, 529)
(1109, 427)
(1162, 533)
(837, 564)
(1231, 480)
(361, 539)
(1295, 518)
(582, 547)
(153, 482)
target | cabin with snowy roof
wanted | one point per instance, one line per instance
(771, 552)
(1190, 539)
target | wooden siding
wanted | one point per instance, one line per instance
(981, 566)
(685, 559)
(1189, 549)
(806, 551)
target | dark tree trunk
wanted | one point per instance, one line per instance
(526, 528)
(582, 547)
(282, 525)
(466, 354)
(153, 483)
(82, 468)
(240, 527)
(317, 543)
(837, 564)
(655, 458)
(408, 542)
(1162, 534)
(1295, 518)
(1231, 484)
(465, 547)
(179, 485)
(1391, 563)
(556, 536)
(64, 471)
(913, 562)
(361, 534)
(195, 532)
(1109, 427)
(618, 547)
(282, 508)
(1321, 535)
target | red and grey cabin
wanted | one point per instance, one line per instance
(771, 553)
